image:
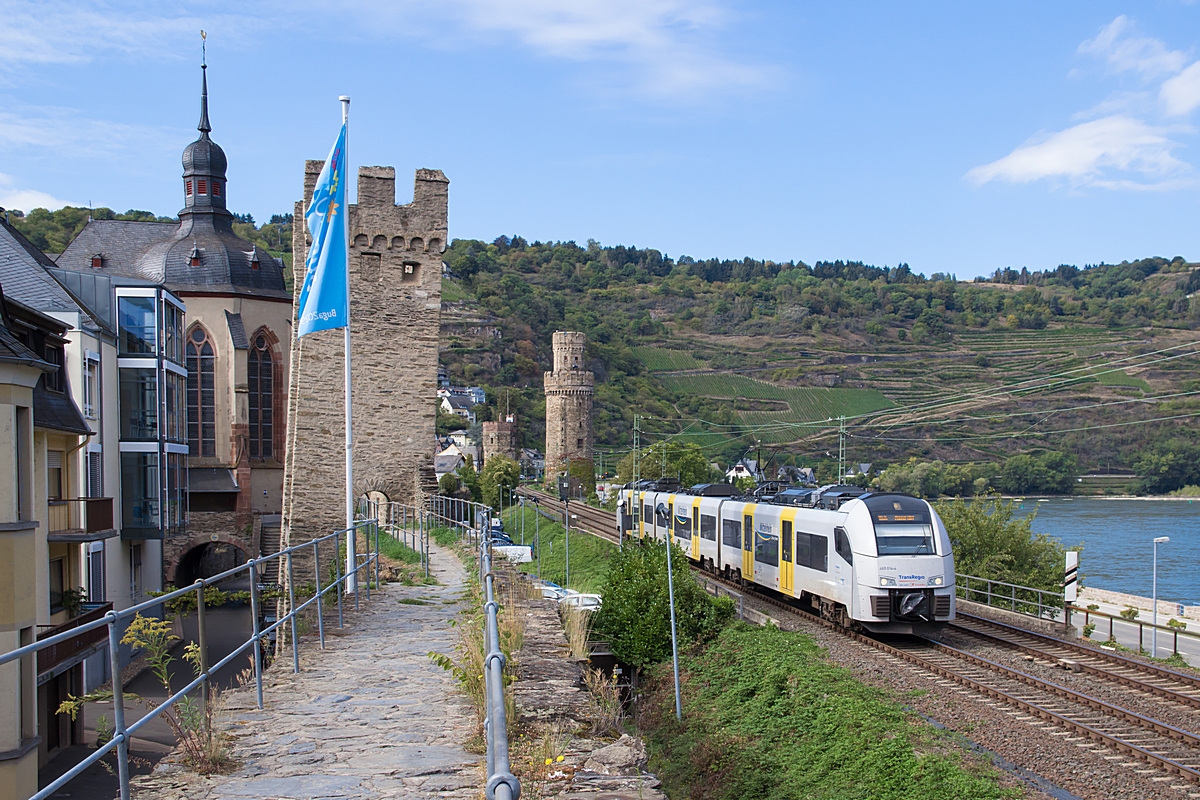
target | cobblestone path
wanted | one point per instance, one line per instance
(371, 716)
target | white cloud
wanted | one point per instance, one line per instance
(12, 197)
(671, 49)
(70, 132)
(1181, 94)
(1087, 155)
(1126, 52)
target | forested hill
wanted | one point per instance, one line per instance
(743, 354)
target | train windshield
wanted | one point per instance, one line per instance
(904, 540)
(903, 525)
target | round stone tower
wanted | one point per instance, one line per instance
(569, 390)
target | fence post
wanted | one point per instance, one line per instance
(292, 612)
(377, 556)
(114, 658)
(320, 599)
(254, 613)
(366, 555)
(202, 637)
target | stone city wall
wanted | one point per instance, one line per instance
(395, 306)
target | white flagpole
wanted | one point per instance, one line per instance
(351, 534)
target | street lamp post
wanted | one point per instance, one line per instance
(1154, 633)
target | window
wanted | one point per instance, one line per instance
(787, 541)
(216, 189)
(579, 443)
(139, 490)
(91, 388)
(683, 524)
(766, 548)
(748, 533)
(708, 528)
(139, 404)
(95, 474)
(54, 474)
(203, 188)
(261, 383)
(56, 381)
(176, 390)
(904, 540)
(172, 333)
(812, 551)
(841, 543)
(135, 316)
(97, 262)
(201, 394)
(188, 189)
(95, 572)
(731, 533)
(647, 514)
(176, 482)
(57, 584)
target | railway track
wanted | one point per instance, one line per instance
(1084, 720)
(1131, 673)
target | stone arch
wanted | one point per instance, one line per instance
(361, 241)
(397, 242)
(379, 243)
(435, 245)
(182, 553)
(416, 243)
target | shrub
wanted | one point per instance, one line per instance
(635, 618)
(990, 542)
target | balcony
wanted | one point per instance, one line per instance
(81, 519)
(57, 659)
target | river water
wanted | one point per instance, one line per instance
(1117, 538)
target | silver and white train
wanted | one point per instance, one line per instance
(879, 561)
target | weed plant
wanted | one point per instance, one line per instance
(767, 717)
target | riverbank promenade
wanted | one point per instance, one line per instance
(371, 716)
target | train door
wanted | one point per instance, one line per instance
(748, 543)
(639, 499)
(787, 572)
(695, 551)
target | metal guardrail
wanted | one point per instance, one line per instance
(474, 522)
(998, 594)
(122, 733)
(1142, 625)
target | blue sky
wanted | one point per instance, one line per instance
(955, 137)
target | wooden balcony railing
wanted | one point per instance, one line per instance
(54, 655)
(81, 515)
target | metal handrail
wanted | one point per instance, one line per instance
(474, 522)
(1088, 613)
(122, 733)
(1016, 597)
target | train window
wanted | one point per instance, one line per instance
(766, 548)
(819, 559)
(647, 515)
(708, 527)
(841, 543)
(683, 525)
(696, 520)
(731, 533)
(787, 541)
(803, 549)
(748, 533)
(904, 539)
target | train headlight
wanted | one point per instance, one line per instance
(887, 581)
(936, 580)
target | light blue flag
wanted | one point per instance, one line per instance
(324, 298)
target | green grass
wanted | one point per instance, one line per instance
(397, 550)
(1122, 378)
(589, 554)
(767, 716)
(658, 359)
(412, 601)
(452, 292)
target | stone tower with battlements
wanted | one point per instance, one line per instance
(569, 390)
(395, 313)
(499, 439)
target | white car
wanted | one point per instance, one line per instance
(583, 602)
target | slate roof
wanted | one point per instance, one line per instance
(211, 479)
(24, 276)
(237, 331)
(13, 352)
(57, 411)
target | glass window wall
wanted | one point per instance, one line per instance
(135, 316)
(176, 429)
(139, 404)
(139, 490)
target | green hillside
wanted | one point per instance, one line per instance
(735, 355)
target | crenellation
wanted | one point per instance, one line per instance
(569, 391)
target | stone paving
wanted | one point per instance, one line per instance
(370, 717)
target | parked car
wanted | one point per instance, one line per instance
(583, 602)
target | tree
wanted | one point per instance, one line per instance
(685, 462)
(470, 479)
(448, 484)
(500, 475)
(990, 542)
(636, 617)
(1169, 466)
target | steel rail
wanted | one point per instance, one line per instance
(1082, 665)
